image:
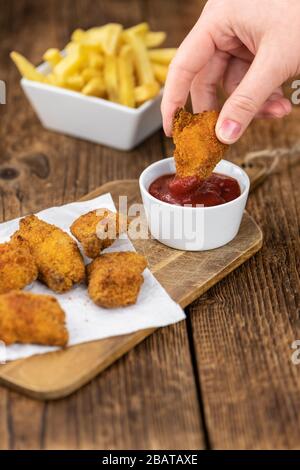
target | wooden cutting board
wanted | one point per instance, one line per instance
(184, 275)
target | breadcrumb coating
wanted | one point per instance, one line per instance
(197, 149)
(115, 279)
(17, 266)
(97, 230)
(56, 254)
(32, 318)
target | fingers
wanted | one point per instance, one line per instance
(193, 54)
(203, 88)
(241, 52)
(248, 97)
(234, 74)
(276, 105)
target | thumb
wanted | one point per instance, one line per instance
(259, 82)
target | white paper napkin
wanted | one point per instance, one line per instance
(85, 320)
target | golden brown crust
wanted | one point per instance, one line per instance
(115, 279)
(197, 149)
(97, 230)
(32, 318)
(17, 266)
(57, 255)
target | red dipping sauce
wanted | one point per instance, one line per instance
(215, 190)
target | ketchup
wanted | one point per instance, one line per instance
(215, 190)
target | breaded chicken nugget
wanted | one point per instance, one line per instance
(197, 148)
(56, 254)
(115, 279)
(97, 230)
(17, 266)
(32, 318)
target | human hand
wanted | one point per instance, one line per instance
(250, 47)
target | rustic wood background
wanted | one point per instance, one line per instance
(222, 379)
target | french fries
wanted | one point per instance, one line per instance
(142, 62)
(141, 28)
(95, 60)
(111, 78)
(162, 56)
(78, 35)
(146, 92)
(126, 77)
(52, 56)
(95, 87)
(75, 82)
(125, 66)
(154, 39)
(106, 37)
(89, 73)
(112, 38)
(160, 72)
(26, 69)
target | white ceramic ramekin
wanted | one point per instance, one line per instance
(193, 228)
(90, 118)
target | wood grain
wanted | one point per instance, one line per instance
(243, 328)
(55, 375)
(111, 412)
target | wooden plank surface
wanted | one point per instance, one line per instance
(144, 401)
(244, 327)
(241, 387)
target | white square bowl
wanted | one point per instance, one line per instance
(90, 118)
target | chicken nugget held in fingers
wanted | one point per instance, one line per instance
(115, 279)
(97, 230)
(197, 149)
(32, 318)
(17, 266)
(59, 261)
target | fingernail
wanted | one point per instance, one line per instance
(229, 131)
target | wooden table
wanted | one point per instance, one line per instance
(222, 379)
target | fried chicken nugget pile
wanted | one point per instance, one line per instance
(59, 261)
(197, 149)
(32, 318)
(17, 266)
(115, 279)
(97, 230)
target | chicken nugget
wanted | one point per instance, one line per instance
(56, 254)
(115, 279)
(32, 318)
(17, 266)
(197, 149)
(97, 230)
